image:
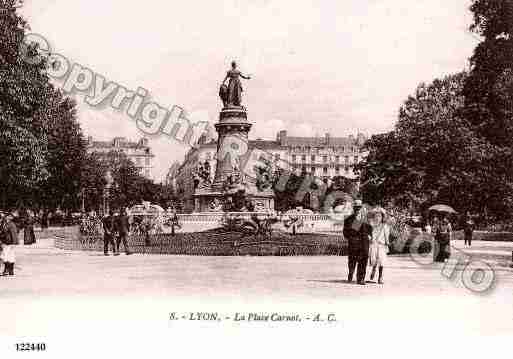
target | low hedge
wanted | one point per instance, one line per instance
(218, 243)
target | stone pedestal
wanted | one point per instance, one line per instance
(232, 144)
(233, 128)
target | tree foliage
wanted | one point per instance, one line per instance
(433, 155)
(22, 93)
(128, 187)
(488, 93)
(41, 144)
(489, 88)
(66, 154)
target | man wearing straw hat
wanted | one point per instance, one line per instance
(358, 233)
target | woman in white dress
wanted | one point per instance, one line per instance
(378, 247)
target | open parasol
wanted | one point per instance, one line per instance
(442, 208)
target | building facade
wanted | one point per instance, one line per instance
(170, 180)
(138, 152)
(324, 157)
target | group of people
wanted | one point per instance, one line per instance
(441, 228)
(10, 225)
(116, 229)
(8, 242)
(368, 238)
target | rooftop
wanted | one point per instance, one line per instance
(266, 145)
(319, 141)
(121, 142)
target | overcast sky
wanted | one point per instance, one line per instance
(317, 66)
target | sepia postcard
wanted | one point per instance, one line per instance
(258, 178)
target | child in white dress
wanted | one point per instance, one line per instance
(378, 247)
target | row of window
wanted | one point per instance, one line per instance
(295, 158)
(139, 161)
(209, 156)
(313, 158)
(332, 149)
(324, 158)
(144, 172)
(324, 169)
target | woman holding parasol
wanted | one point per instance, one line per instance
(443, 232)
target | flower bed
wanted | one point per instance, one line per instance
(215, 243)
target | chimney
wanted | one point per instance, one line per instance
(360, 139)
(281, 136)
(327, 138)
(203, 139)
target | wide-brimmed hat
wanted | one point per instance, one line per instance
(378, 210)
(10, 214)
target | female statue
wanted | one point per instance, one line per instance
(231, 94)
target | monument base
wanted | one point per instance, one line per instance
(229, 182)
(206, 200)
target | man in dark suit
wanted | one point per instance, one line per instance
(468, 230)
(3, 235)
(123, 229)
(358, 234)
(109, 231)
(10, 240)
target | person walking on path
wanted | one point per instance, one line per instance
(123, 229)
(109, 233)
(44, 219)
(378, 247)
(358, 233)
(10, 240)
(443, 234)
(29, 237)
(3, 234)
(468, 230)
(175, 223)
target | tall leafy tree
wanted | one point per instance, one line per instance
(41, 144)
(286, 198)
(488, 95)
(22, 92)
(432, 155)
(92, 182)
(65, 158)
(489, 86)
(127, 188)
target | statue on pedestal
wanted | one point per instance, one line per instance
(201, 175)
(231, 95)
(236, 178)
(216, 205)
(264, 178)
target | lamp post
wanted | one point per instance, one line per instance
(106, 192)
(82, 195)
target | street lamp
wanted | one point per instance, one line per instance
(106, 190)
(82, 196)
